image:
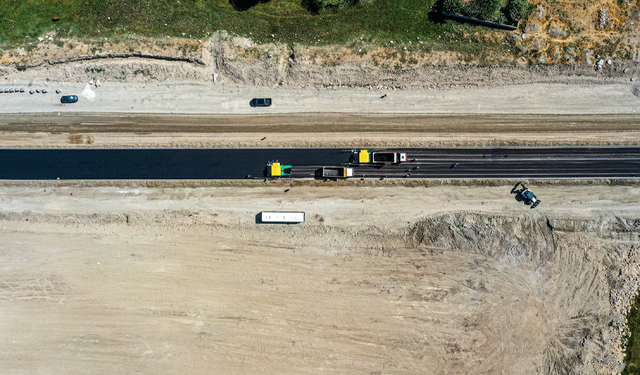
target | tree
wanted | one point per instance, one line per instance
(515, 11)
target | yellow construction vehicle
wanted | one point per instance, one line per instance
(377, 157)
(275, 170)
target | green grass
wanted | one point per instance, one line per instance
(379, 20)
(632, 353)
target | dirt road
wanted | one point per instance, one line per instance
(614, 96)
(314, 130)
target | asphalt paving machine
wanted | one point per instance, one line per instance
(276, 170)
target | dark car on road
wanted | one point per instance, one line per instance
(69, 99)
(260, 102)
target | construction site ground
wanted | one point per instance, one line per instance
(451, 279)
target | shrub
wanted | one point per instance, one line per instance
(486, 10)
(452, 6)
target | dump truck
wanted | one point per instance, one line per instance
(275, 170)
(378, 157)
(335, 172)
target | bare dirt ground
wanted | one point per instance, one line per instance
(378, 280)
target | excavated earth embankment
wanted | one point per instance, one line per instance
(571, 279)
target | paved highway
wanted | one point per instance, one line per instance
(166, 164)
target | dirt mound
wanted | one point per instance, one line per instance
(224, 58)
(578, 284)
(237, 60)
(512, 240)
(118, 70)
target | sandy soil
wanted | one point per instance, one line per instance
(388, 280)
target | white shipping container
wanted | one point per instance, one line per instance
(282, 217)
